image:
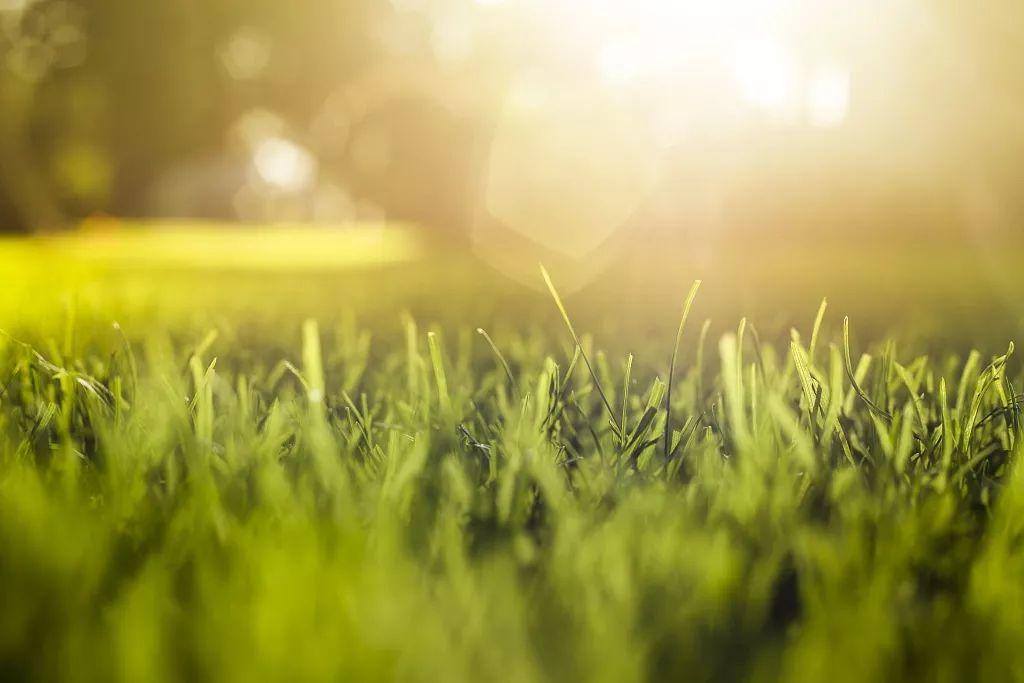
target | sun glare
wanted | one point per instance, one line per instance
(768, 77)
(745, 51)
(664, 71)
(828, 97)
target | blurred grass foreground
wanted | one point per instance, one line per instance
(205, 484)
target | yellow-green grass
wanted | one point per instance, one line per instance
(263, 473)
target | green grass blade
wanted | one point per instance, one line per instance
(501, 359)
(687, 304)
(579, 345)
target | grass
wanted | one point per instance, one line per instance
(324, 501)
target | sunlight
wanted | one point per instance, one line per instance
(768, 76)
(624, 60)
(198, 244)
(828, 97)
(747, 52)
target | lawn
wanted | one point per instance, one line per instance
(403, 466)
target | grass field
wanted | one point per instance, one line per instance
(271, 475)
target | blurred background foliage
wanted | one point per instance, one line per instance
(334, 110)
(163, 108)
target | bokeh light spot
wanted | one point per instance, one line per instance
(246, 54)
(284, 165)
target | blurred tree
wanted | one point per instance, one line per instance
(101, 103)
(38, 38)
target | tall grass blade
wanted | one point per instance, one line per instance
(687, 304)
